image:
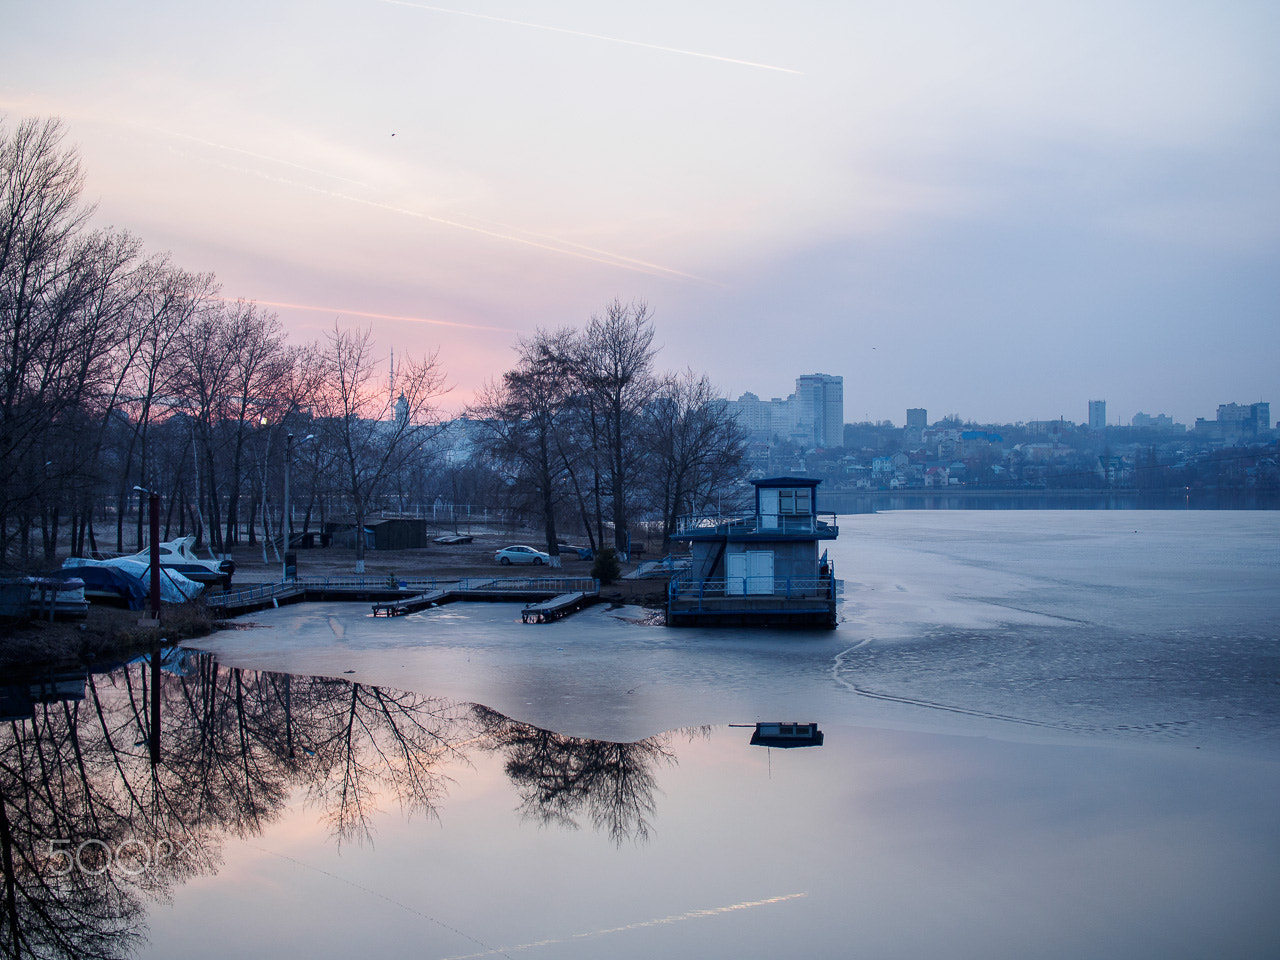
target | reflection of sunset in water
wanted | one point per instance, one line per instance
(306, 759)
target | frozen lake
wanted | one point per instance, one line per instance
(1048, 734)
(1146, 626)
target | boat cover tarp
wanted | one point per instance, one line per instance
(135, 592)
(174, 587)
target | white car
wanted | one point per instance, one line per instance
(521, 554)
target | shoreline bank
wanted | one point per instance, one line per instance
(109, 634)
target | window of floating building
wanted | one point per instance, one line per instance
(794, 502)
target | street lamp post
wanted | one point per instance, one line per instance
(154, 499)
(153, 738)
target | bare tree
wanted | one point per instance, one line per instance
(374, 426)
(696, 447)
(524, 418)
(616, 372)
(48, 276)
(81, 354)
(167, 303)
(205, 360)
(259, 361)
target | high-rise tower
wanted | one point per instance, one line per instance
(1097, 414)
(821, 398)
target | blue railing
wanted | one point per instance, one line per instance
(545, 584)
(265, 591)
(291, 586)
(790, 588)
(822, 524)
(667, 564)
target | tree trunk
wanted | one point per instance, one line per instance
(359, 535)
(49, 529)
(215, 523)
(617, 485)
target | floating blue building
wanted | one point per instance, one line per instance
(762, 569)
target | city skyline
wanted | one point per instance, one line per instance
(779, 415)
(995, 211)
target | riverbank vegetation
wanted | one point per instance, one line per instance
(105, 636)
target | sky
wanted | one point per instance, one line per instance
(1000, 210)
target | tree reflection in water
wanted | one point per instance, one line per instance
(92, 827)
(561, 777)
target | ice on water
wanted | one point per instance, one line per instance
(1128, 624)
(1012, 704)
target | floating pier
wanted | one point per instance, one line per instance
(399, 607)
(400, 597)
(556, 607)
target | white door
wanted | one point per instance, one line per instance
(759, 571)
(735, 570)
(769, 509)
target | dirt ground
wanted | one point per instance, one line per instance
(109, 633)
(443, 562)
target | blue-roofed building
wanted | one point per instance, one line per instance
(763, 568)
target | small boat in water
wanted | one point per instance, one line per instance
(787, 735)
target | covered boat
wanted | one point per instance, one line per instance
(176, 556)
(174, 586)
(108, 584)
(58, 598)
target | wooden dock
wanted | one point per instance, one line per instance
(393, 599)
(399, 607)
(556, 607)
(263, 597)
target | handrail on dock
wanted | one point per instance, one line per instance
(263, 591)
(552, 585)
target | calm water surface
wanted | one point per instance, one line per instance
(1046, 734)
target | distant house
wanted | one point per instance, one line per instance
(935, 477)
(761, 569)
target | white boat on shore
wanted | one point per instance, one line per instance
(177, 556)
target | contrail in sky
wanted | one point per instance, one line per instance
(374, 316)
(593, 36)
(566, 247)
(263, 156)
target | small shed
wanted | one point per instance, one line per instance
(343, 534)
(399, 533)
